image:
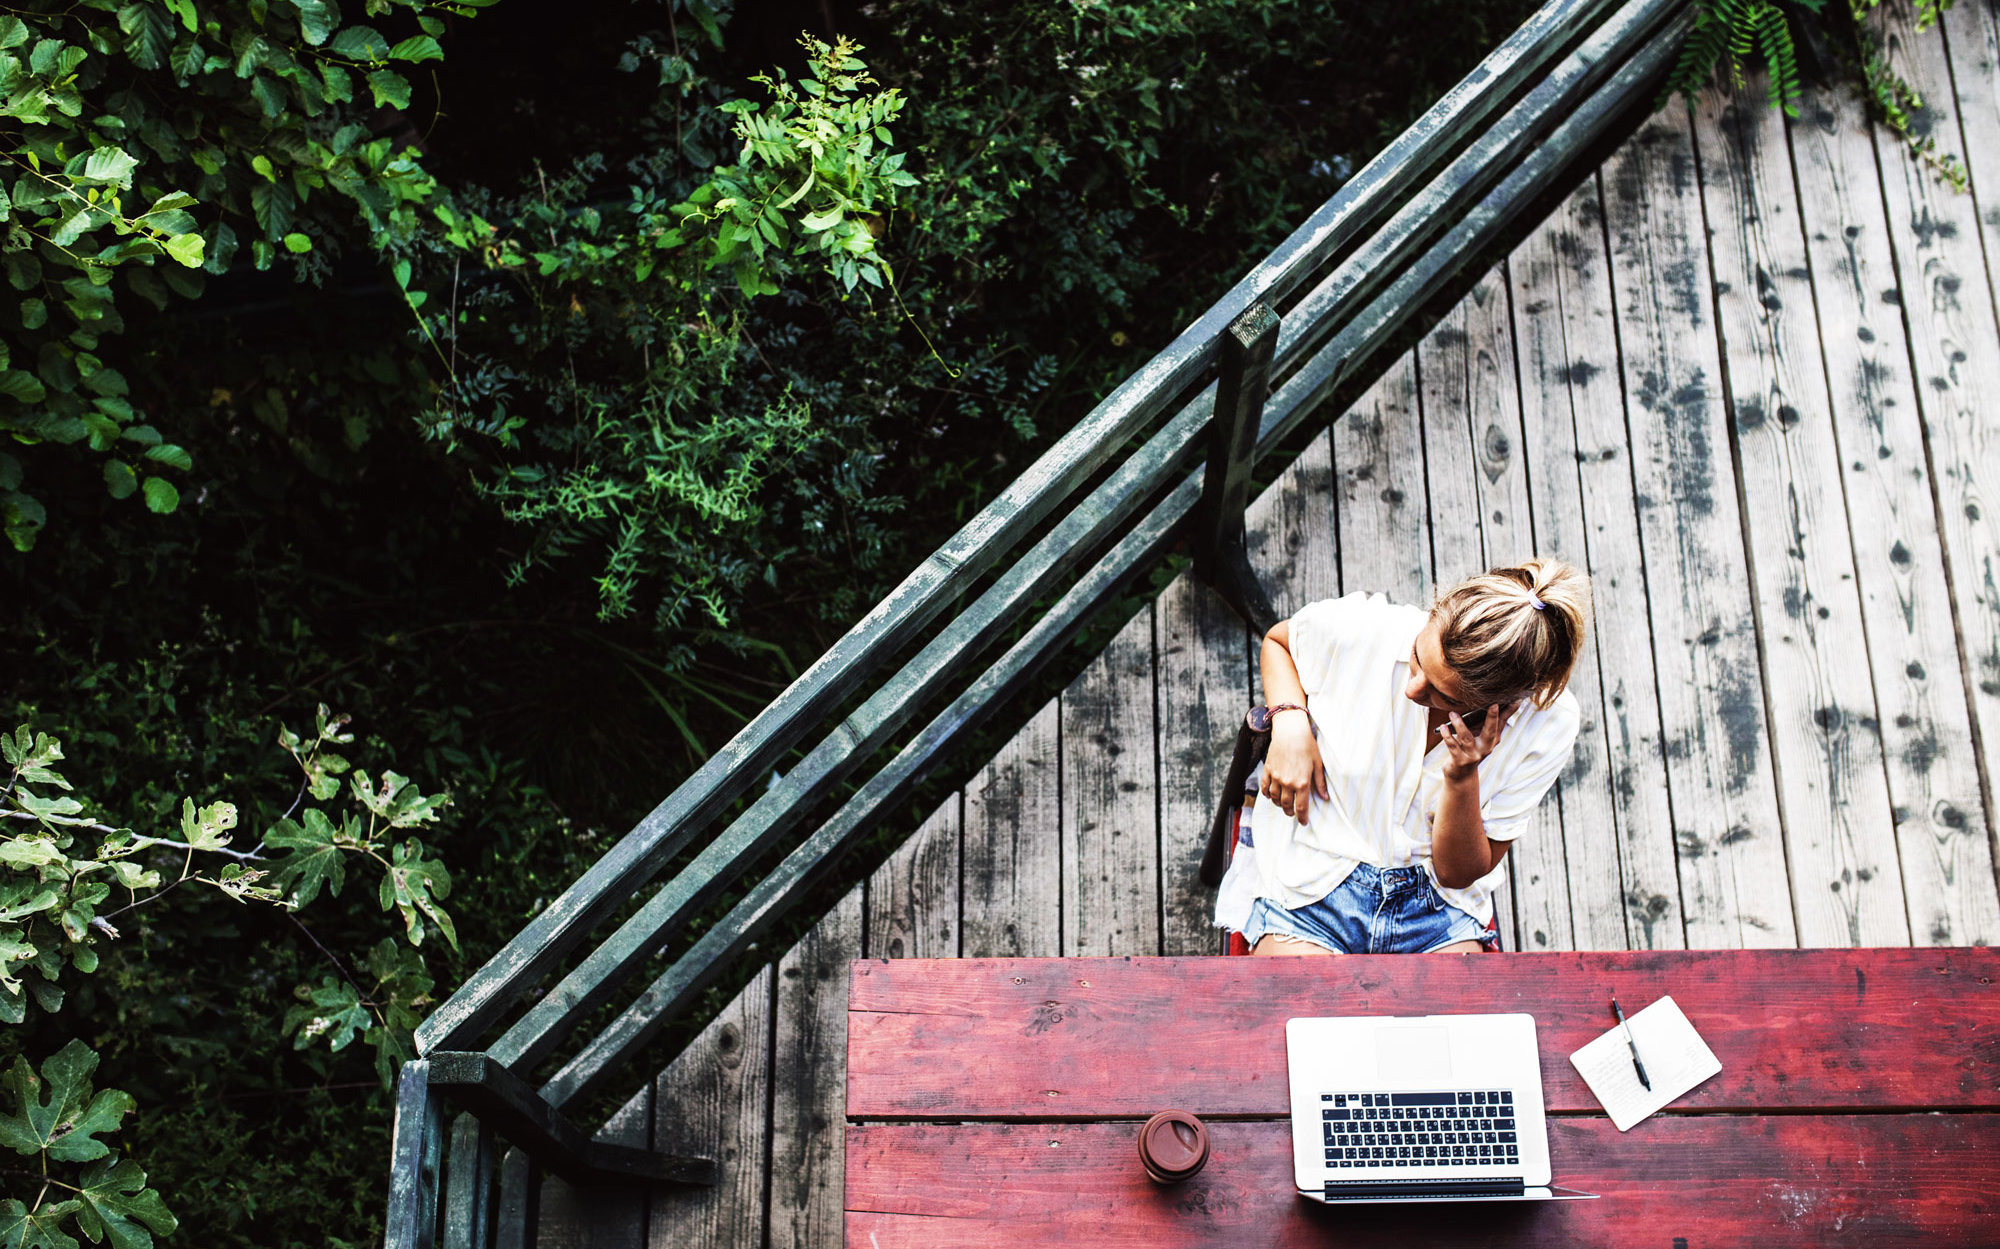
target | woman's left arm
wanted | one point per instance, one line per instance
(1461, 852)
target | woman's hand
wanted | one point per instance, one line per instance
(1293, 769)
(1465, 747)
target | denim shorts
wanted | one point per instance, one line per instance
(1376, 910)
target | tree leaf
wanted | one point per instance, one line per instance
(396, 801)
(315, 860)
(149, 36)
(417, 48)
(413, 884)
(66, 1123)
(316, 20)
(390, 88)
(117, 1206)
(33, 755)
(22, 385)
(112, 165)
(187, 249)
(331, 1009)
(359, 43)
(21, 1228)
(171, 455)
(161, 497)
(119, 479)
(298, 244)
(208, 828)
(30, 852)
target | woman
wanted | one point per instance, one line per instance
(1408, 750)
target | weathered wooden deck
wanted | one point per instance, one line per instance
(1743, 376)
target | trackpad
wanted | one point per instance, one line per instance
(1413, 1055)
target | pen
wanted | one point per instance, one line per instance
(1636, 1064)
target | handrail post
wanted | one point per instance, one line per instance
(468, 1204)
(519, 1210)
(415, 1154)
(1219, 556)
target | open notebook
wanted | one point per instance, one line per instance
(1676, 1060)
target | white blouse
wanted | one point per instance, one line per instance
(1353, 658)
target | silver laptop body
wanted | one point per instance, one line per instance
(1423, 1108)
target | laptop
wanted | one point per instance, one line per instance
(1417, 1109)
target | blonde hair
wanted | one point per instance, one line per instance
(1512, 633)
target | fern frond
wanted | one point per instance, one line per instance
(1707, 47)
(1781, 58)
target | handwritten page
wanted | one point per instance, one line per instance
(1676, 1060)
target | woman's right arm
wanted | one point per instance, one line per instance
(1293, 769)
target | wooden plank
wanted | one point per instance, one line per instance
(1012, 900)
(1833, 794)
(1954, 344)
(712, 1101)
(1732, 865)
(1933, 775)
(1479, 519)
(1823, 1030)
(1204, 688)
(600, 1216)
(1815, 1180)
(913, 898)
(1289, 532)
(1110, 819)
(1449, 369)
(809, 1078)
(1617, 834)
(1378, 459)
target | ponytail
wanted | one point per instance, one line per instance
(1516, 632)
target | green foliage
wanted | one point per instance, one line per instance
(1729, 34)
(667, 466)
(63, 868)
(1893, 99)
(141, 144)
(816, 171)
(320, 844)
(57, 1116)
(338, 1009)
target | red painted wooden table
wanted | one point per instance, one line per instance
(996, 1101)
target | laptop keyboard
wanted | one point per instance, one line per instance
(1457, 1129)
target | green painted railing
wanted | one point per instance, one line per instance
(1367, 260)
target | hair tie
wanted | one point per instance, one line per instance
(1535, 602)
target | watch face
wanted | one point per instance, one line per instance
(1259, 719)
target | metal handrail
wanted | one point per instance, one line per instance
(1441, 191)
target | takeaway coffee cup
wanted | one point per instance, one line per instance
(1173, 1146)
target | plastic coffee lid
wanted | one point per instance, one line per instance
(1174, 1142)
